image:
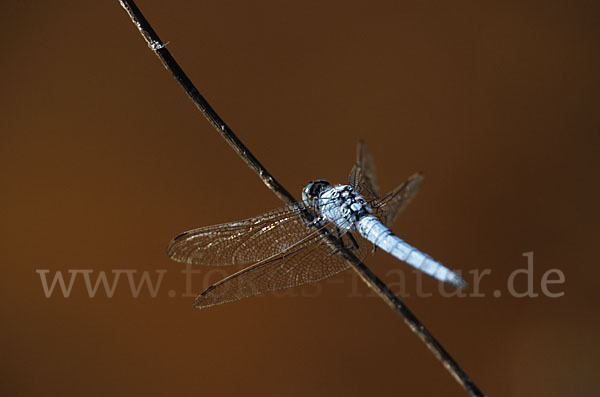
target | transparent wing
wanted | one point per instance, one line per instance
(243, 242)
(310, 260)
(362, 176)
(388, 207)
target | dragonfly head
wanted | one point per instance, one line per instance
(312, 191)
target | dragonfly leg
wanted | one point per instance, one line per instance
(353, 241)
(340, 235)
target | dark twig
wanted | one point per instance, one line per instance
(364, 272)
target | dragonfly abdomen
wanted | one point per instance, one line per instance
(376, 232)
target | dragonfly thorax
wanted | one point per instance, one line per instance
(343, 206)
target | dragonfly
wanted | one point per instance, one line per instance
(287, 247)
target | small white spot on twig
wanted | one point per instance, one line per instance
(157, 45)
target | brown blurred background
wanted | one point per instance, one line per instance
(104, 159)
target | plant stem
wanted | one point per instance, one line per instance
(363, 271)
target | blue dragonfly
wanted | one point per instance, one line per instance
(284, 249)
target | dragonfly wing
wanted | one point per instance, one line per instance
(388, 207)
(310, 260)
(243, 242)
(362, 177)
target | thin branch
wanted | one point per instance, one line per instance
(364, 272)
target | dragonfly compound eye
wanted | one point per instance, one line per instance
(313, 190)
